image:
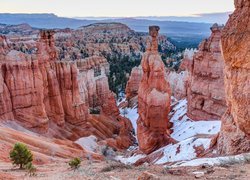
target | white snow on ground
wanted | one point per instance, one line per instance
(130, 160)
(183, 150)
(89, 143)
(131, 114)
(188, 133)
(215, 161)
(185, 128)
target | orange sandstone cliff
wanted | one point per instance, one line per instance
(206, 93)
(153, 100)
(55, 98)
(235, 132)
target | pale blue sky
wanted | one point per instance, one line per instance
(118, 8)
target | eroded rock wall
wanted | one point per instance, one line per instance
(235, 133)
(42, 93)
(206, 93)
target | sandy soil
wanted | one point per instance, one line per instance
(116, 171)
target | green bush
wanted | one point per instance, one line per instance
(75, 163)
(20, 155)
(30, 168)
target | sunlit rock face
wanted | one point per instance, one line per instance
(42, 89)
(235, 133)
(153, 99)
(55, 97)
(206, 92)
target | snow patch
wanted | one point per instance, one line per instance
(88, 143)
(131, 159)
(184, 150)
(130, 113)
(184, 127)
(215, 161)
(189, 134)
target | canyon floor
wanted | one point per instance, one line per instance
(114, 170)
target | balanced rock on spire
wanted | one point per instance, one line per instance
(153, 99)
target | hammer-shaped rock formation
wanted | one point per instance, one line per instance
(235, 133)
(153, 99)
(206, 93)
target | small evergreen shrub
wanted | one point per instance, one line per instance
(20, 155)
(30, 168)
(75, 163)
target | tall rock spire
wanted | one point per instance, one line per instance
(153, 99)
(46, 46)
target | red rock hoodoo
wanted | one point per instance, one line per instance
(206, 93)
(178, 80)
(53, 97)
(153, 99)
(235, 133)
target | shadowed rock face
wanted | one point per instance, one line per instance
(153, 100)
(133, 82)
(53, 97)
(235, 133)
(206, 93)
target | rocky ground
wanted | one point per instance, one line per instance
(113, 170)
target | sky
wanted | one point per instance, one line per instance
(116, 8)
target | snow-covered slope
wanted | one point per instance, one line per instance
(192, 136)
(130, 113)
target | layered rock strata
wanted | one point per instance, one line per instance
(153, 100)
(43, 93)
(235, 132)
(206, 93)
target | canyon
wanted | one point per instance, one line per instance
(56, 97)
(215, 82)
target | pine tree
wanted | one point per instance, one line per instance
(21, 155)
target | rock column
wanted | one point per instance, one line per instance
(153, 99)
